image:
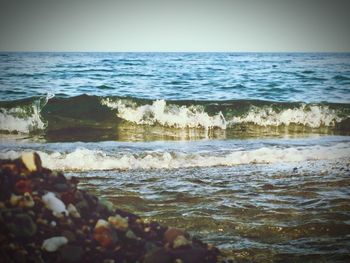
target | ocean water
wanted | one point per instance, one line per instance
(248, 151)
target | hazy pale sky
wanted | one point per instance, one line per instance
(177, 25)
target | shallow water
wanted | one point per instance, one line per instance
(253, 212)
(257, 199)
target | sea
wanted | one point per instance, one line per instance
(248, 151)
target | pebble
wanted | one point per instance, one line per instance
(71, 253)
(158, 256)
(45, 217)
(54, 204)
(172, 233)
(104, 204)
(181, 241)
(119, 222)
(27, 201)
(104, 234)
(72, 210)
(130, 234)
(54, 243)
(61, 187)
(15, 199)
(23, 186)
(21, 225)
(69, 235)
(31, 161)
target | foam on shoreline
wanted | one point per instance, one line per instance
(82, 159)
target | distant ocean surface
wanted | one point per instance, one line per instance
(249, 151)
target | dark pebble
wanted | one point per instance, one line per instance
(71, 253)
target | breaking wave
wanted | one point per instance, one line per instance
(313, 116)
(194, 116)
(24, 118)
(169, 115)
(81, 114)
(82, 159)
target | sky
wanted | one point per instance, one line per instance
(177, 25)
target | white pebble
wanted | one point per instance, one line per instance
(54, 243)
(54, 204)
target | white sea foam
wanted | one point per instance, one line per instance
(159, 112)
(15, 119)
(82, 159)
(167, 115)
(313, 116)
(24, 119)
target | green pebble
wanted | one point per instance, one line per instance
(130, 234)
(71, 253)
(104, 204)
(82, 206)
(22, 225)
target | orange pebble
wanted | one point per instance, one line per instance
(103, 234)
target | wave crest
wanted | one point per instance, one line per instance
(25, 118)
(169, 115)
(196, 116)
(313, 116)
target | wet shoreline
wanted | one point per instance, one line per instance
(255, 213)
